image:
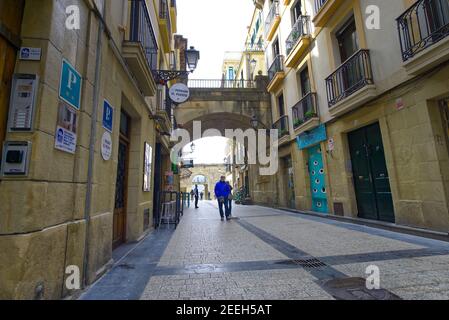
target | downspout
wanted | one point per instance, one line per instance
(92, 141)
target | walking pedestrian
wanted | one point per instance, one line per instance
(230, 198)
(196, 194)
(201, 194)
(192, 194)
(222, 191)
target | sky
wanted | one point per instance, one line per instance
(213, 27)
(207, 151)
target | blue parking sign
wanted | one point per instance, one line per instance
(108, 116)
(70, 85)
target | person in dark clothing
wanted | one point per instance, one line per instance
(230, 198)
(197, 195)
(222, 192)
(192, 194)
(201, 195)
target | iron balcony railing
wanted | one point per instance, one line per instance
(276, 67)
(305, 110)
(319, 4)
(299, 30)
(220, 83)
(164, 13)
(422, 25)
(142, 31)
(272, 14)
(254, 46)
(282, 126)
(354, 74)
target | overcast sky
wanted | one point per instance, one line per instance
(213, 27)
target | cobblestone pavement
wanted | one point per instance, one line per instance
(265, 254)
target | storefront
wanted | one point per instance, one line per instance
(310, 143)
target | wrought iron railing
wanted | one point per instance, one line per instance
(305, 110)
(165, 14)
(299, 30)
(219, 83)
(276, 67)
(142, 31)
(282, 126)
(354, 74)
(272, 14)
(422, 25)
(319, 4)
(255, 46)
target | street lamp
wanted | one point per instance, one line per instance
(253, 65)
(192, 57)
(192, 147)
(256, 122)
(163, 76)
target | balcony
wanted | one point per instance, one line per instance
(298, 41)
(423, 34)
(351, 85)
(165, 25)
(272, 21)
(283, 130)
(325, 9)
(256, 47)
(140, 50)
(276, 73)
(305, 114)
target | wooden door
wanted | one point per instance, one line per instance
(121, 187)
(371, 179)
(11, 12)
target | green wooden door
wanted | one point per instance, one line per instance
(371, 179)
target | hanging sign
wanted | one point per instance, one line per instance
(312, 137)
(70, 85)
(179, 93)
(106, 146)
(23, 101)
(65, 137)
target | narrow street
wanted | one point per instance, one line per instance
(270, 254)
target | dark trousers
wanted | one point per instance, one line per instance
(196, 202)
(230, 206)
(227, 210)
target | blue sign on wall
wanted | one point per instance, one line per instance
(108, 116)
(308, 139)
(70, 85)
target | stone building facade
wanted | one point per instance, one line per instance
(98, 129)
(361, 109)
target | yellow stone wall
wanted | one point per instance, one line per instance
(416, 153)
(42, 216)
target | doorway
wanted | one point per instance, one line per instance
(371, 179)
(121, 187)
(289, 182)
(317, 180)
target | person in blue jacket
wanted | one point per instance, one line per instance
(222, 192)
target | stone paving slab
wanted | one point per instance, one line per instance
(265, 254)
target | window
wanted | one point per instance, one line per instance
(276, 48)
(231, 75)
(348, 43)
(296, 12)
(281, 105)
(304, 80)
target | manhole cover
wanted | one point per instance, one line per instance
(355, 289)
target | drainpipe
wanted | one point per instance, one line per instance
(92, 141)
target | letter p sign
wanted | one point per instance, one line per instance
(70, 85)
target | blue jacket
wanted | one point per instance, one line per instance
(222, 189)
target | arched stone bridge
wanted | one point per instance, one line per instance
(224, 107)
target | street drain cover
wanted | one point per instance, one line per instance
(355, 289)
(310, 263)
